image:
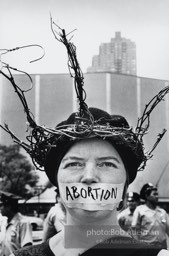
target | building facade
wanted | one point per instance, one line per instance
(118, 56)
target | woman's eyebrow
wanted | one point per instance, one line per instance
(103, 158)
(72, 158)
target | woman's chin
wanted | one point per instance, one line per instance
(88, 216)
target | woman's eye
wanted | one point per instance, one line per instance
(74, 164)
(108, 164)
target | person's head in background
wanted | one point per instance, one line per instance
(9, 205)
(133, 200)
(149, 193)
(95, 162)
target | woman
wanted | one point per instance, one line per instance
(91, 158)
(92, 174)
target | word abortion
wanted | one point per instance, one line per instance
(89, 192)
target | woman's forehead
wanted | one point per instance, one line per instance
(93, 146)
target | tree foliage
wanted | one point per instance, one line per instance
(17, 174)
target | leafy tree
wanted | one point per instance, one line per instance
(17, 174)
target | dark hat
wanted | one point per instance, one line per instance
(9, 198)
(133, 196)
(112, 128)
(146, 189)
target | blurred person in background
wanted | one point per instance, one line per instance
(18, 230)
(35, 213)
(125, 217)
(150, 222)
(55, 220)
(3, 224)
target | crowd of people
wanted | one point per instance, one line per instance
(145, 220)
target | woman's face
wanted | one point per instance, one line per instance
(91, 161)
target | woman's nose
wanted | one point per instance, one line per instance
(90, 174)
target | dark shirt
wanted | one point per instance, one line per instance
(116, 246)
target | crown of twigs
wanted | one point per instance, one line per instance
(41, 139)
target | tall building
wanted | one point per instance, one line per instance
(117, 56)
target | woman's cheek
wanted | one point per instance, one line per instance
(66, 176)
(113, 176)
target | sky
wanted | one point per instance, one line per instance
(145, 22)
